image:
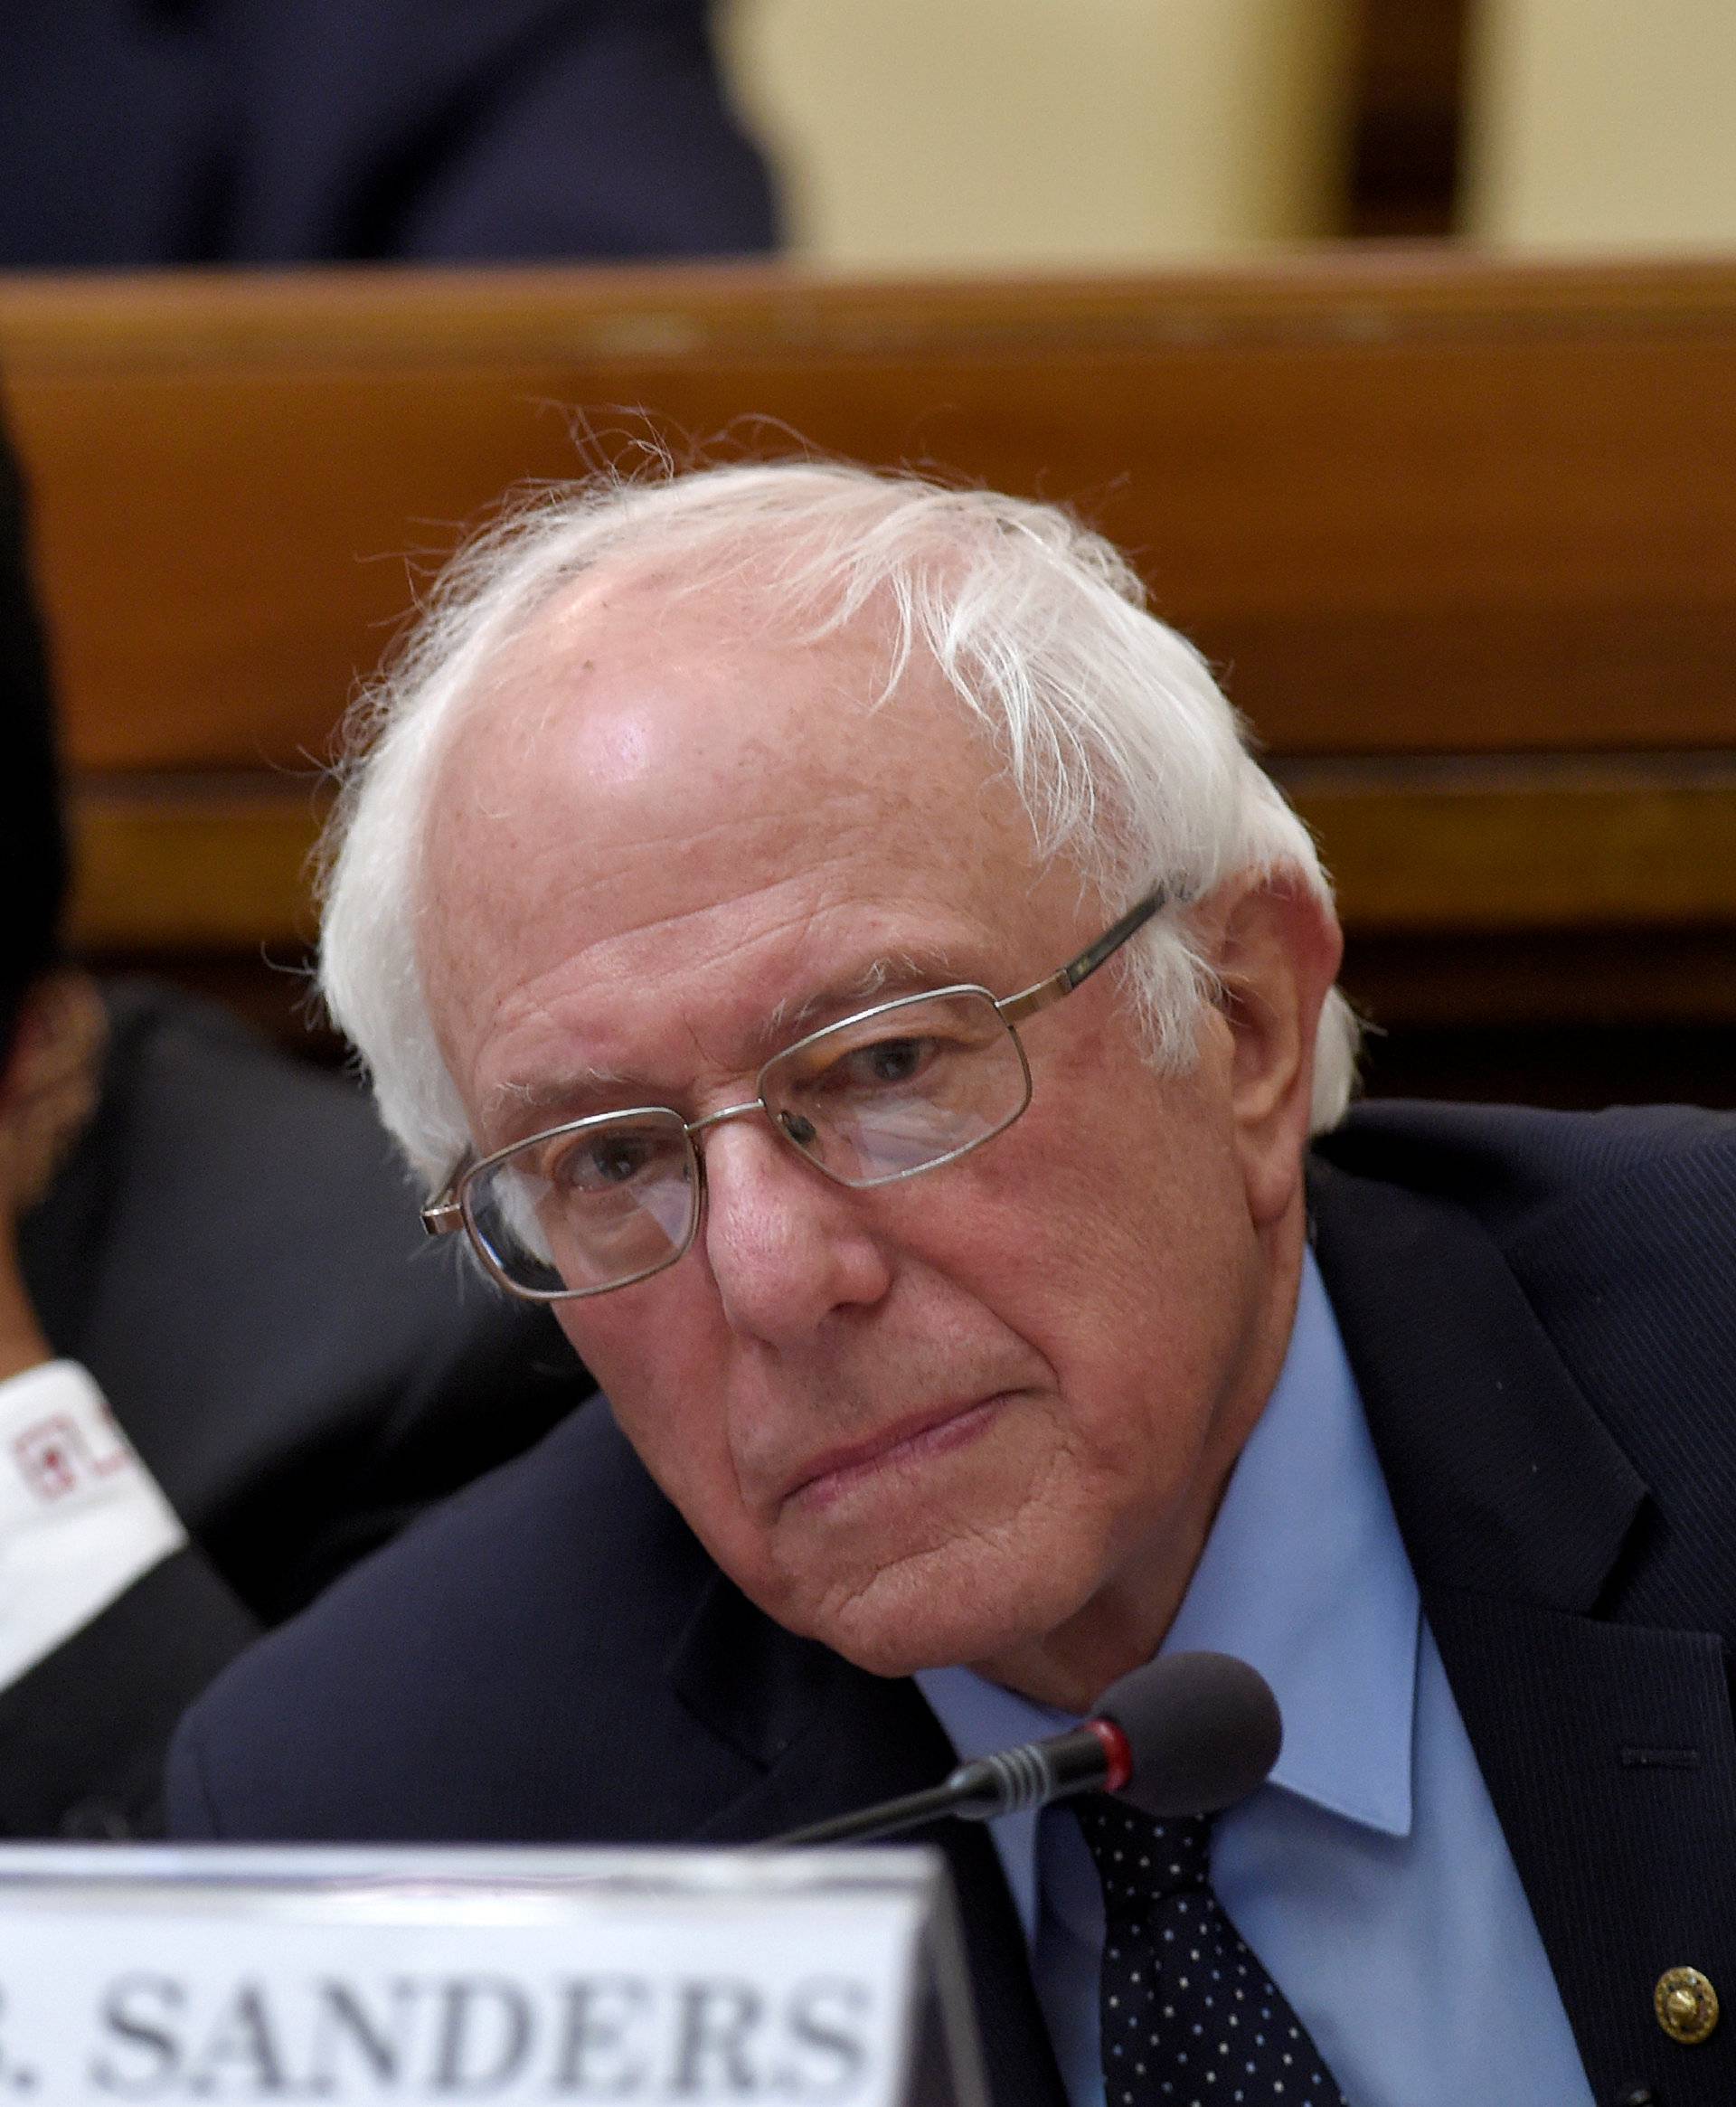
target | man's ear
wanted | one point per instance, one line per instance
(21, 1053)
(49, 1081)
(1276, 947)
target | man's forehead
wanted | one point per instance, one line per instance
(638, 802)
(673, 712)
(632, 685)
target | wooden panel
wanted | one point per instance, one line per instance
(176, 867)
(1410, 506)
(1462, 537)
(1483, 982)
(1498, 848)
(1505, 846)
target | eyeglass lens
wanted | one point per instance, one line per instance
(878, 1097)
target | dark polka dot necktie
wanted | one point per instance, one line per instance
(1190, 2018)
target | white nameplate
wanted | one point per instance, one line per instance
(816, 1980)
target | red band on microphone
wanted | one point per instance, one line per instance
(1117, 1752)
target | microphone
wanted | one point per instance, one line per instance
(1186, 1734)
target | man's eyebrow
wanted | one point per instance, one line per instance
(521, 1106)
(895, 974)
(513, 1111)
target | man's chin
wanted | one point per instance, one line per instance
(929, 1611)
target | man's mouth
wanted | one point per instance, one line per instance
(906, 1444)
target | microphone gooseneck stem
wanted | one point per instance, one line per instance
(1095, 1755)
(892, 1818)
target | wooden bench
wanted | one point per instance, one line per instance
(1461, 537)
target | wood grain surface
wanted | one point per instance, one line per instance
(1459, 534)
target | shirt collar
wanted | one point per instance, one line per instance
(1305, 1576)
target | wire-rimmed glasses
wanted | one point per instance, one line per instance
(883, 1094)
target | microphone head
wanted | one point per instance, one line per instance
(1203, 1729)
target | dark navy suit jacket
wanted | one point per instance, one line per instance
(145, 133)
(1541, 1314)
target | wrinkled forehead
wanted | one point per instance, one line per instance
(636, 688)
(642, 751)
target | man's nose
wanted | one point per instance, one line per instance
(786, 1247)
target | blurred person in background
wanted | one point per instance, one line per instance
(221, 1377)
(146, 134)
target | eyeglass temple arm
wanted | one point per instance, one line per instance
(443, 1214)
(1015, 1008)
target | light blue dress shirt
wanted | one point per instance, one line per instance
(1369, 1874)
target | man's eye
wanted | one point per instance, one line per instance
(604, 1164)
(885, 1064)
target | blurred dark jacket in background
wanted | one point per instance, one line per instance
(139, 134)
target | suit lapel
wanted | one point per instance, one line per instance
(1607, 1748)
(828, 1738)
(1503, 1479)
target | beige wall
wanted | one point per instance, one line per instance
(1603, 124)
(996, 134)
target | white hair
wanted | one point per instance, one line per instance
(1125, 753)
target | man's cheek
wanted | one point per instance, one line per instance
(630, 1346)
(680, 1434)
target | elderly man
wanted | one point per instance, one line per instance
(821, 935)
